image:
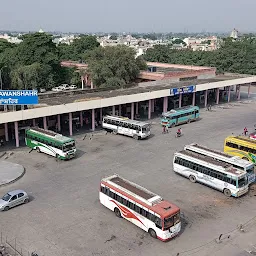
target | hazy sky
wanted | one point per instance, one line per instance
(128, 15)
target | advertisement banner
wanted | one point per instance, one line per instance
(183, 90)
(18, 97)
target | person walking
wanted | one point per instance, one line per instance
(245, 131)
(167, 129)
(163, 129)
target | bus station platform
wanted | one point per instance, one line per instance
(10, 172)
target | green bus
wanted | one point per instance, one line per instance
(50, 143)
(180, 115)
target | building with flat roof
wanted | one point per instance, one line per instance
(169, 86)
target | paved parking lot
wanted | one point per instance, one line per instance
(65, 217)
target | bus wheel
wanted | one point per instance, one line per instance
(117, 213)
(38, 150)
(245, 158)
(172, 125)
(192, 178)
(152, 232)
(188, 121)
(227, 192)
(115, 132)
(136, 137)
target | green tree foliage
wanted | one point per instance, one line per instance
(30, 76)
(113, 66)
(4, 44)
(78, 48)
(178, 41)
(34, 63)
(113, 37)
(150, 36)
(237, 56)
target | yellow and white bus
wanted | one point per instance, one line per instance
(241, 146)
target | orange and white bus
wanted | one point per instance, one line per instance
(160, 218)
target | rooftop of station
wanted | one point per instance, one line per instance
(58, 98)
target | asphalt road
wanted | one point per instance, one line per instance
(65, 217)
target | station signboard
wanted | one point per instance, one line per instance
(18, 97)
(182, 90)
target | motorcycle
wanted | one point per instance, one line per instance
(178, 134)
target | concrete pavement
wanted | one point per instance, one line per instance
(10, 172)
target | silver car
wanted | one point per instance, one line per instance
(12, 199)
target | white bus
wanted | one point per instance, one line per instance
(206, 170)
(160, 218)
(122, 125)
(235, 161)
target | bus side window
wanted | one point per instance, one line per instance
(158, 222)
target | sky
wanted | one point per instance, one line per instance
(128, 15)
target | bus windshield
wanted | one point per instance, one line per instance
(242, 182)
(68, 146)
(250, 170)
(172, 220)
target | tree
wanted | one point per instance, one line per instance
(150, 36)
(32, 76)
(4, 44)
(113, 66)
(37, 47)
(178, 41)
(113, 37)
(83, 44)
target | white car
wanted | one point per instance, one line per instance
(72, 87)
(42, 90)
(13, 198)
(57, 89)
(64, 87)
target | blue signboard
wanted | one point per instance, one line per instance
(18, 97)
(183, 90)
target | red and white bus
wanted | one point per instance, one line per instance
(143, 208)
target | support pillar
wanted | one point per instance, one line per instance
(81, 119)
(239, 92)
(217, 95)
(194, 99)
(17, 139)
(6, 132)
(132, 110)
(93, 119)
(92, 84)
(149, 109)
(34, 122)
(120, 110)
(82, 81)
(58, 123)
(153, 105)
(86, 80)
(70, 121)
(229, 93)
(101, 115)
(180, 100)
(113, 111)
(45, 122)
(205, 98)
(137, 108)
(249, 90)
(165, 104)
